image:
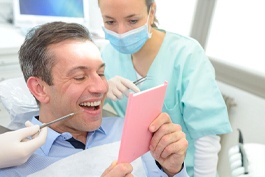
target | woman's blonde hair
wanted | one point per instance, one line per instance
(149, 4)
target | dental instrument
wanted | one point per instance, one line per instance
(138, 81)
(56, 120)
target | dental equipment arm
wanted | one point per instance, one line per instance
(16, 146)
(238, 159)
(119, 86)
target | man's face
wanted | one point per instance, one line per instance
(79, 86)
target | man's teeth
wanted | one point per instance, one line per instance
(95, 103)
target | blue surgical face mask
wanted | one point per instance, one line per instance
(131, 41)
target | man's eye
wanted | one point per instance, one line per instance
(101, 75)
(79, 78)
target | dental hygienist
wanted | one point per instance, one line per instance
(17, 146)
(193, 100)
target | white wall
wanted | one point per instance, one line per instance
(175, 16)
(249, 116)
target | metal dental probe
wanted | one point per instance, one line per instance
(139, 80)
(56, 120)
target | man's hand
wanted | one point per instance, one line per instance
(118, 170)
(168, 144)
(16, 147)
(119, 86)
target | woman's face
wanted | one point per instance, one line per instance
(122, 16)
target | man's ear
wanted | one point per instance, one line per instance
(38, 88)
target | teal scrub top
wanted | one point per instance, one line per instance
(193, 98)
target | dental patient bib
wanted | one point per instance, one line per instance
(90, 162)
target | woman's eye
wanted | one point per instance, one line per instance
(110, 22)
(133, 21)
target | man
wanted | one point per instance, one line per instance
(64, 71)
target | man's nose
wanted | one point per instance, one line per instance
(98, 85)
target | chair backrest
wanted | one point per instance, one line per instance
(18, 101)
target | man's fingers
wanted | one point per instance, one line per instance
(118, 170)
(168, 143)
(112, 165)
(174, 148)
(162, 119)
